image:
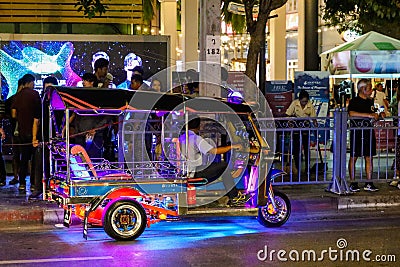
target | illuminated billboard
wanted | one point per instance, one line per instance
(68, 57)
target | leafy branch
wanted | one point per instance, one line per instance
(91, 8)
(363, 15)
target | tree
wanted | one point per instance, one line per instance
(364, 15)
(255, 27)
(93, 8)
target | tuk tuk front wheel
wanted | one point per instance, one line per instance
(275, 217)
(124, 220)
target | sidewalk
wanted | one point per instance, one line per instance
(15, 208)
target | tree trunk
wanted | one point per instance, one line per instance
(256, 29)
(256, 42)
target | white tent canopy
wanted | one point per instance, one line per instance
(371, 41)
(372, 53)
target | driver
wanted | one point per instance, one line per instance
(197, 147)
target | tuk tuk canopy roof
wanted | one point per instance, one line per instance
(61, 98)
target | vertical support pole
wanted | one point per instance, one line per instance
(67, 149)
(343, 146)
(210, 43)
(121, 140)
(336, 142)
(311, 57)
(189, 25)
(339, 185)
(168, 25)
(53, 164)
(301, 38)
(277, 45)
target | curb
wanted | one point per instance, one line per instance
(53, 216)
(373, 201)
(20, 216)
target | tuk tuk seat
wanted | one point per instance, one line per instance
(83, 168)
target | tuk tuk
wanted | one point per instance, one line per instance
(114, 158)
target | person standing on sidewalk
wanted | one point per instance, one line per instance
(16, 155)
(301, 108)
(362, 141)
(26, 108)
(380, 100)
(40, 170)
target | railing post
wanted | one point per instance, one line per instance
(339, 185)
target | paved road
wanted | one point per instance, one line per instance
(215, 241)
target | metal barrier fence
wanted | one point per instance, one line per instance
(316, 150)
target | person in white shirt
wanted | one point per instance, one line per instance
(193, 154)
(380, 100)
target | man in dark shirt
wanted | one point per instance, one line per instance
(362, 141)
(40, 170)
(26, 108)
(16, 155)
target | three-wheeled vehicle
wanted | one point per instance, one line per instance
(143, 177)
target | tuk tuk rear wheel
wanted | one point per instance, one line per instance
(270, 217)
(124, 220)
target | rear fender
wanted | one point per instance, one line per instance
(124, 192)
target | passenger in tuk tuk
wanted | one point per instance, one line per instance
(197, 147)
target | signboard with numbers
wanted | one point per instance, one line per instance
(279, 96)
(213, 48)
